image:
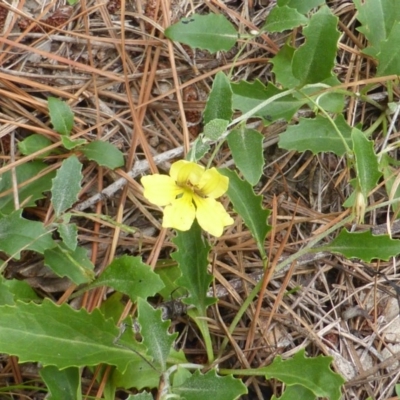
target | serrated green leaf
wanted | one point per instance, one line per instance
(192, 257)
(389, 60)
(211, 32)
(248, 95)
(283, 18)
(131, 276)
(247, 151)
(73, 264)
(215, 129)
(302, 6)
(66, 185)
(377, 19)
(69, 235)
(219, 102)
(367, 167)
(155, 334)
(62, 336)
(65, 384)
(363, 245)
(169, 274)
(249, 206)
(61, 116)
(104, 154)
(29, 193)
(210, 386)
(70, 144)
(312, 373)
(34, 143)
(313, 61)
(296, 392)
(17, 234)
(317, 135)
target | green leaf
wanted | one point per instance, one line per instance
(215, 129)
(6, 296)
(61, 116)
(155, 334)
(65, 384)
(312, 373)
(366, 165)
(192, 257)
(247, 151)
(210, 386)
(138, 375)
(200, 147)
(69, 235)
(313, 61)
(219, 102)
(28, 194)
(363, 245)
(34, 143)
(389, 60)
(169, 274)
(282, 67)
(141, 396)
(302, 6)
(20, 290)
(62, 336)
(104, 154)
(317, 135)
(66, 185)
(211, 32)
(390, 175)
(131, 276)
(249, 207)
(283, 18)
(247, 96)
(296, 392)
(377, 19)
(17, 234)
(70, 144)
(73, 264)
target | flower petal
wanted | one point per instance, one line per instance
(213, 184)
(184, 171)
(160, 190)
(211, 215)
(180, 214)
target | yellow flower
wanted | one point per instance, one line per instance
(188, 193)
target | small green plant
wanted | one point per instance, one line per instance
(143, 356)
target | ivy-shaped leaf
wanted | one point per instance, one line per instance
(210, 386)
(313, 61)
(61, 336)
(192, 257)
(317, 135)
(131, 276)
(363, 245)
(211, 32)
(249, 207)
(312, 373)
(158, 341)
(17, 234)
